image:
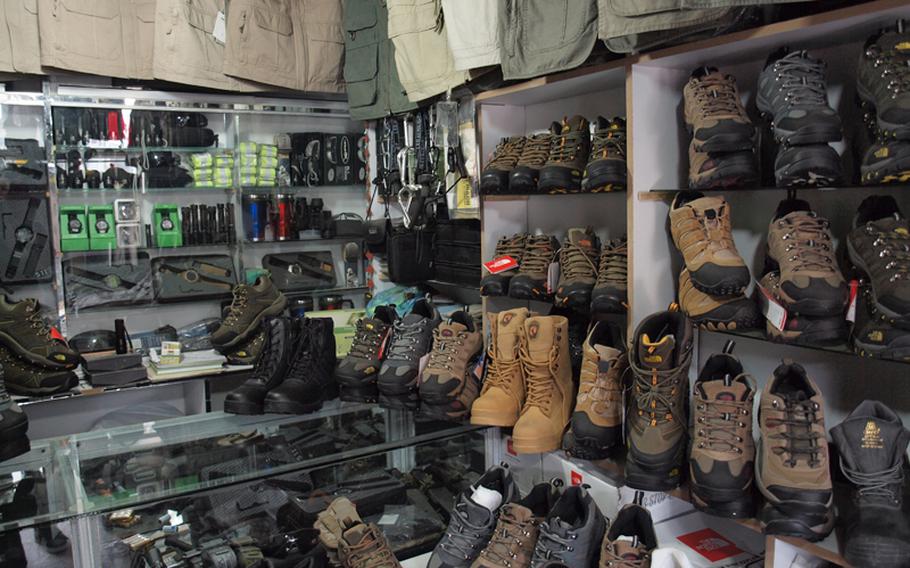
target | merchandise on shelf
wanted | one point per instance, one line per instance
(881, 69)
(358, 370)
(530, 280)
(504, 393)
(26, 334)
(22, 164)
(309, 380)
(13, 425)
(569, 150)
(525, 174)
(572, 531)
(712, 312)
(606, 168)
(179, 278)
(506, 257)
(25, 248)
(250, 305)
(450, 381)
(579, 257)
(411, 339)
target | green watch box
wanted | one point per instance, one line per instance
(101, 227)
(168, 231)
(73, 228)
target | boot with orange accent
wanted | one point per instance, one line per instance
(606, 169)
(656, 421)
(547, 367)
(503, 393)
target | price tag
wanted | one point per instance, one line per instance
(772, 309)
(851, 307)
(552, 277)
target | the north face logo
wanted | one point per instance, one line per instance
(872, 436)
(710, 544)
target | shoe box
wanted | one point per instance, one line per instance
(25, 245)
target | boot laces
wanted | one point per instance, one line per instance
(407, 340)
(4, 395)
(367, 341)
(511, 246)
(508, 536)
(445, 350)
(551, 546)
(896, 247)
(577, 261)
(37, 321)
(717, 96)
(803, 79)
(507, 152)
(886, 483)
(614, 263)
(608, 142)
(604, 388)
(461, 534)
(500, 371)
(613, 559)
(371, 552)
(564, 146)
(536, 150)
(238, 305)
(656, 395)
(811, 247)
(894, 68)
(538, 254)
(539, 378)
(268, 361)
(798, 438)
(716, 417)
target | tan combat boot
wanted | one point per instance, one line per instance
(792, 469)
(716, 312)
(513, 540)
(597, 421)
(547, 366)
(448, 385)
(714, 112)
(503, 393)
(339, 516)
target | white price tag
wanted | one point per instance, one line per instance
(552, 277)
(219, 32)
(771, 308)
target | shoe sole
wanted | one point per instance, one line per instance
(821, 337)
(740, 321)
(537, 445)
(652, 478)
(722, 143)
(808, 527)
(863, 553)
(609, 178)
(580, 299)
(809, 172)
(409, 401)
(244, 408)
(351, 394)
(727, 287)
(16, 447)
(589, 448)
(71, 382)
(23, 353)
(523, 292)
(489, 418)
(274, 309)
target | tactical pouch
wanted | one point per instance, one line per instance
(410, 255)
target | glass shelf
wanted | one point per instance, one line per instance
(333, 240)
(296, 188)
(733, 190)
(58, 149)
(189, 189)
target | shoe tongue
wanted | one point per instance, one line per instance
(708, 206)
(559, 527)
(900, 43)
(624, 548)
(718, 391)
(451, 329)
(607, 353)
(580, 237)
(656, 355)
(412, 319)
(490, 499)
(478, 515)
(703, 71)
(358, 534)
(870, 444)
(577, 123)
(556, 127)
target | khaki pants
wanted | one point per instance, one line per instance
(472, 27)
(19, 49)
(425, 64)
(295, 44)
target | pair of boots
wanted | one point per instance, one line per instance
(528, 380)
(293, 373)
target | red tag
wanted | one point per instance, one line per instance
(55, 334)
(500, 264)
(382, 345)
(575, 477)
(710, 544)
(851, 305)
(509, 448)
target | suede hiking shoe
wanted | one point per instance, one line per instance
(412, 338)
(24, 378)
(792, 470)
(714, 113)
(722, 452)
(24, 331)
(721, 170)
(571, 532)
(270, 369)
(449, 384)
(716, 312)
(596, 427)
(473, 519)
(530, 281)
(526, 173)
(517, 530)
(357, 371)
(13, 426)
(800, 329)
(578, 259)
(338, 517)
(495, 176)
(701, 230)
(630, 541)
(886, 161)
(569, 149)
(656, 421)
(872, 443)
(365, 546)
(610, 293)
(814, 165)
(606, 169)
(879, 246)
(874, 336)
(883, 80)
(250, 305)
(547, 370)
(793, 93)
(503, 393)
(309, 381)
(498, 284)
(801, 249)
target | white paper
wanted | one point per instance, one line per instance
(219, 32)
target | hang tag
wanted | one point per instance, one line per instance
(851, 307)
(772, 309)
(552, 277)
(478, 367)
(423, 364)
(219, 32)
(500, 264)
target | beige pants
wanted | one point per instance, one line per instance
(297, 44)
(472, 27)
(425, 64)
(19, 50)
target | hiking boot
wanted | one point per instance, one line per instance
(250, 305)
(799, 329)
(473, 519)
(571, 532)
(721, 170)
(883, 80)
(309, 381)
(449, 384)
(270, 369)
(411, 339)
(630, 540)
(495, 176)
(879, 245)
(610, 293)
(801, 249)
(357, 371)
(606, 169)
(569, 149)
(722, 453)
(872, 443)
(513, 540)
(815, 165)
(503, 393)
(530, 281)
(656, 421)
(793, 93)
(331, 523)
(24, 378)
(247, 353)
(534, 155)
(24, 331)
(596, 427)
(498, 284)
(365, 546)
(792, 470)
(874, 336)
(701, 231)
(716, 312)
(547, 370)
(578, 258)
(13, 426)
(886, 162)
(714, 112)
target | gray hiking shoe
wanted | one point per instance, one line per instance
(572, 532)
(883, 80)
(412, 338)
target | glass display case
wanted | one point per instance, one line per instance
(121, 492)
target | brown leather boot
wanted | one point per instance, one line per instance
(503, 393)
(448, 385)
